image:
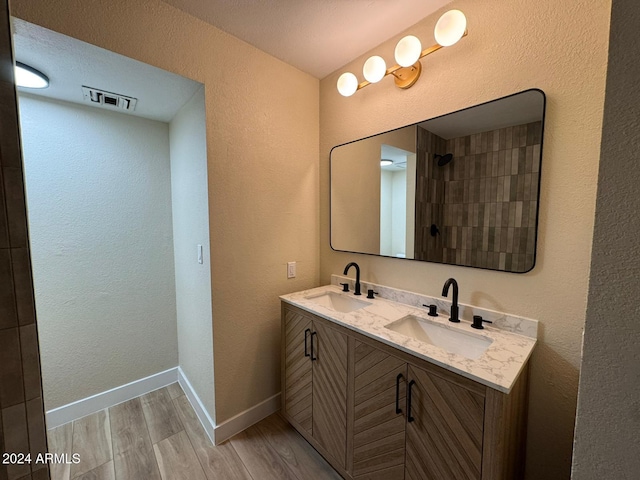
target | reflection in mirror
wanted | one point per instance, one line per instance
(460, 189)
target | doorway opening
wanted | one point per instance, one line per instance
(115, 165)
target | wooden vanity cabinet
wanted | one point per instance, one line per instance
(404, 418)
(297, 375)
(314, 380)
(378, 423)
(411, 423)
(444, 427)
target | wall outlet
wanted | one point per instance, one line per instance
(291, 269)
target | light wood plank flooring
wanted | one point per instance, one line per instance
(158, 437)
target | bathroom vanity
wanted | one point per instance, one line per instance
(381, 399)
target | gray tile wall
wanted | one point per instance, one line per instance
(484, 201)
(430, 196)
(22, 426)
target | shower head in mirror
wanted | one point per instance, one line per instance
(443, 159)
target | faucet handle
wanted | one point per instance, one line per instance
(477, 322)
(371, 293)
(345, 287)
(433, 310)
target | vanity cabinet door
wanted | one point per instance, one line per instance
(297, 376)
(379, 414)
(330, 390)
(444, 428)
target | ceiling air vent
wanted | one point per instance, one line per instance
(111, 100)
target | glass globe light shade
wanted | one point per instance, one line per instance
(374, 69)
(450, 28)
(385, 162)
(347, 84)
(408, 51)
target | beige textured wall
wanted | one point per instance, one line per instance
(560, 47)
(262, 149)
(356, 197)
(608, 417)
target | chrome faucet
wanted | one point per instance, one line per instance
(346, 269)
(454, 301)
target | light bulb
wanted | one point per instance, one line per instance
(408, 51)
(450, 28)
(347, 84)
(29, 77)
(374, 69)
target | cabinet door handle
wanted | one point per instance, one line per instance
(308, 330)
(409, 416)
(312, 357)
(398, 378)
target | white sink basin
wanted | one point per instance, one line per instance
(466, 344)
(337, 302)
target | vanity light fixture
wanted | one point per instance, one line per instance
(450, 28)
(29, 77)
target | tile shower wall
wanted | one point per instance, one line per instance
(22, 427)
(429, 196)
(484, 202)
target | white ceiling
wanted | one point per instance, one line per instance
(70, 64)
(316, 36)
(395, 154)
(517, 109)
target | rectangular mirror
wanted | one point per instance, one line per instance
(461, 189)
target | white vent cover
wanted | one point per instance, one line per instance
(111, 100)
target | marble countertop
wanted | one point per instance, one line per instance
(498, 367)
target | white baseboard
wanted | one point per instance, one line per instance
(201, 412)
(95, 403)
(216, 433)
(244, 420)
